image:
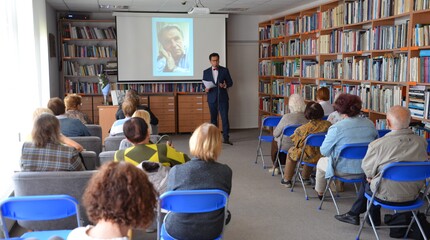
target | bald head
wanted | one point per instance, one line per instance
(399, 117)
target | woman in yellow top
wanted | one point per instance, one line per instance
(314, 113)
(136, 131)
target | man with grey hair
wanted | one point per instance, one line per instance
(173, 55)
(401, 144)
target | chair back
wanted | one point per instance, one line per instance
(271, 121)
(428, 145)
(289, 129)
(325, 117)
(406, 171)
(315, 139)
(355, 151)
(95, 130)
(192, 201)
(41, 207)
(71, 183)
(382, 132)
(90, 143)
(112, 142)
(106, 156)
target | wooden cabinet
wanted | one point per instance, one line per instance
(107, 118)
(190, 112)
(164, 107)
(89, 106)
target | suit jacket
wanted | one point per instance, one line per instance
(223, 76)
(396, 146)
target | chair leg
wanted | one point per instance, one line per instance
(258, 151)
(303, 185)
(325, 191)
(367, 214)
(296, 175)
(279, 164)
(419, 225)
(334, 200)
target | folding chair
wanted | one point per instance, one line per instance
(43, 207)
(312, 140)
(350, 152)
(190, 201)
(287, 132)
(270, 121)
(382, 132)
(400, 172)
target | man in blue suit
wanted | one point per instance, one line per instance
(217, 94)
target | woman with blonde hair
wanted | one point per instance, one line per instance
(296, 115)
(119, 197)
(201, 172)
(73, 104)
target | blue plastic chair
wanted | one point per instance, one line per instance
(325, 117)
(190, 201)
(382, 132)
(312, 140)
(268, 122)
(43, 207)
(400, 172)
(428, 145)
(286, 132)
(351, 152)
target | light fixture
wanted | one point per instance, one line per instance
(113, 7)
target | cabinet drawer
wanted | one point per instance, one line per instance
(161, 99)
(191, 111)
(162, 105)
(190, 99)
(190, 105)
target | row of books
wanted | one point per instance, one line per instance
(82, 87)
(421, 5)
(264, 87)
(330, 43)
(310, 23)
(278, 106)
(309, 46)
(333, 17)
(350, 40)
(86, 32)
(421, 35)
(310, 69)
(387, 68)
(390, 37)
(148, 87)
(384, 97)
(332, 69)
(365, 10)
(72, 50)
(419, 97)
(264, 104)
(189, 87)
(420, 71)
(71, 68)
(278, 87)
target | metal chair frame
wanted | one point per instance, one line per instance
(352, 152)
(42, 207)
(270, 121)
(190, 201)
(288, 131)
(400, 172)
(313, 140)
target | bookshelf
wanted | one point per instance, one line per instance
(378, 50)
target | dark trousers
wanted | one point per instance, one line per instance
(223, 110)
(360, 204)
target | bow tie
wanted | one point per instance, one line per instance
(215, 69)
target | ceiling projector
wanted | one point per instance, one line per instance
(199, 10)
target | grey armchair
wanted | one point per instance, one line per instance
(90, 143)
(106, 156)
(95, 130)
(49, 183)
(112, 142)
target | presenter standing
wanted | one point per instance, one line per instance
(216, 80)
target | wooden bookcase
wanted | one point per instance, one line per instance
(357, 47)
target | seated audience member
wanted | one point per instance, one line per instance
(45, 152)
(145, 116)
(70, 127)
(73, 104)
(63, 139)
(323, 98)
(117, 127)
(335, 117)
(136, 131)
(314, 113)
(202, 172)
(134, 96)
(401, 144)
(296, 107)
(118, 198)
(352, 129)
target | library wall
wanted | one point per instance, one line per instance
(53, 53)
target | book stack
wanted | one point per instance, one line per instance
(424, 66)
(418, 104)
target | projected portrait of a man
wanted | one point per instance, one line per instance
(174, 54)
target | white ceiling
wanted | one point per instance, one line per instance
(257, 7)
